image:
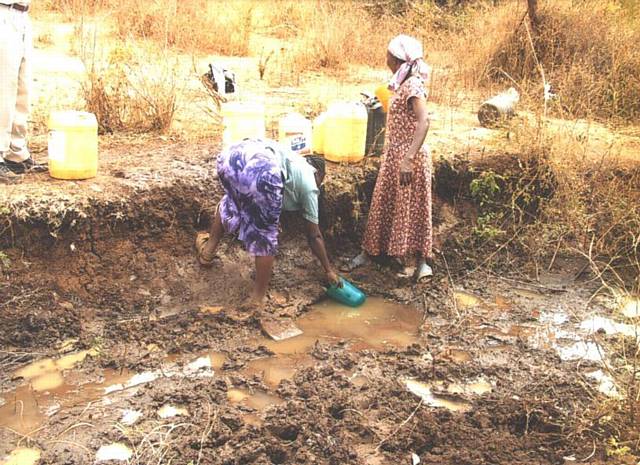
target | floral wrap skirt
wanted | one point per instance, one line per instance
(251, 176)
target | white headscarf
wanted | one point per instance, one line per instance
(409, 50)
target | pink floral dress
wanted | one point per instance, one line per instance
(399, 222)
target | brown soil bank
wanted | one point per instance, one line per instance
(108, 263)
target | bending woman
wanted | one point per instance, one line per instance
(399, 223)
(260, 179)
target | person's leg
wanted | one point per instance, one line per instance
(18, 150)
(264, 270)
(11, 54)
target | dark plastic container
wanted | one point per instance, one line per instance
(376, 124)
(348, 294)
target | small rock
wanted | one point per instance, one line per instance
(279, 330)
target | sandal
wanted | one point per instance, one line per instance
(423, 272)
(356, 262)
(203, 260)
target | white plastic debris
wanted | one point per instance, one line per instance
(631, 308)
(201, 367)
(599, 323)
(548, 95)
(169, 411)
(581, 351)
(130, 417)
(606, 384)
(116, 451)
(136, 380)
(554, 318)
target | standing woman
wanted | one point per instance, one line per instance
(399, 223)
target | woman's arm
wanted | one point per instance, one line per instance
(316, 243)
(419, 106)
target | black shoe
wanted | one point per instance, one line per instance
(24, 166)
(6, 174)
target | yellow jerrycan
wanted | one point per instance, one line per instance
(384, 95)
(73, 145)
(345, 132)
(242, 120)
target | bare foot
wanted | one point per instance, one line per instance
(250, 308)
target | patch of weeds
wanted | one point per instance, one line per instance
(615, 449)
(5, 261)
(97, 344)
(485, 190)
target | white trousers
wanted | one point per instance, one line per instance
(16, 52)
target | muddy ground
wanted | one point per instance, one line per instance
(107, 266)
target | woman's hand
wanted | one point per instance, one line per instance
(406, 171)
(316, 242)
(333, 278)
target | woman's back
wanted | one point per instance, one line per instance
(402, 121)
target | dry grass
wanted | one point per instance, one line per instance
(343, 34)
(129, 93)
(558, 195)
(594, 207)
(208, 27)
(588, 52)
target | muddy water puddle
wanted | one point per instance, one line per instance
(256, 400)
(377, 325)
(28, 407)
(273, 370)
(48, 389)
(466, 299)
(457, 355)
(22, 456)
(51, 385)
